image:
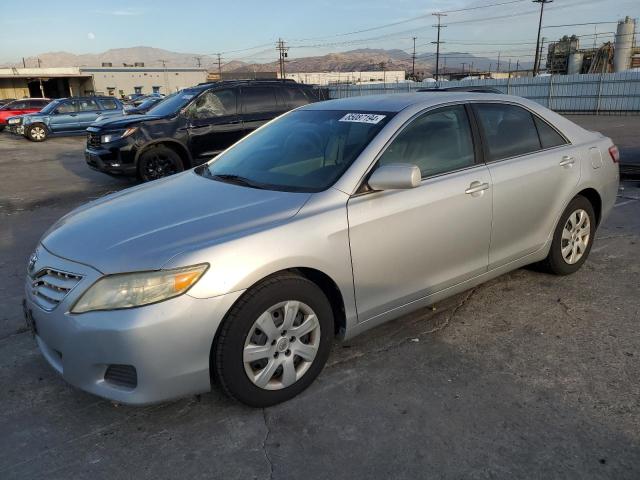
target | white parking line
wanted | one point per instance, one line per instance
(624, 203)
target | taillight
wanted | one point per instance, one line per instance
(615, 153)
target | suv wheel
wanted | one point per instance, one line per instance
(572, 238)
(36, 132)
(274, 341)
(158, 162)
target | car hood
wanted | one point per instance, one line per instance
(143, 227)
(121, 121)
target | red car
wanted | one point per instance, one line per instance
(20, 107)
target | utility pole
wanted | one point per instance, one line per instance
(166, 75)
(24, 64)
(463, 64)
(282, 52)
(219, 55)
(542, 40)
(413, 61)
(439, 26)
(498, 66)
(198, 62)
(38, 62)
(536, 62)
(509, 68)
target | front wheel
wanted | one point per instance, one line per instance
(36, 133)
(274, 342)
(158, 162)
(572, 239)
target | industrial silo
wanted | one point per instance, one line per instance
(623, 44)
(575, 63)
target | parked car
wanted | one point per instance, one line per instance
(140, 108)
(189, 127)
(65, 116)
(476, 89)
(4, 101)
(21, 107)
(332, 219)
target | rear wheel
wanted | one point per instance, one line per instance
(158, 162)
(572, 238)
(274, 341)
(36, 133)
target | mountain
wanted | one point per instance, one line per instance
(364, 59)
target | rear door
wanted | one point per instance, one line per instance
(65, 117)
(408, 244)
(88, 112)
(533, 169)
(260, 104)
(213, 123)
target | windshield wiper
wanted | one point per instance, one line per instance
(236, 179)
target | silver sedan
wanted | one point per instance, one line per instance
(328, 221)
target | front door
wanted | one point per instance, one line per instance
(534, 169)
(407, 244)
(213, 123)
(65, 117)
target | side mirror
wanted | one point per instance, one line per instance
(395, 176)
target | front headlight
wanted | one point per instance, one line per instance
(112, 137)
(14, 121)
(130, 290)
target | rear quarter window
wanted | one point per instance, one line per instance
(109, 104)
(549, 137)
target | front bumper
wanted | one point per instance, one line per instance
(16, 129)
(168, 343)
(117, 158)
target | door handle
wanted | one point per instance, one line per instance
(476, 187)
(567, 161)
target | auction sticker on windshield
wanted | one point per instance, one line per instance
(362, 118)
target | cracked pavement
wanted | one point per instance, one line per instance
(526, 376)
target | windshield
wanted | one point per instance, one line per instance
(304, 151)
(173, 103)
(50, 107)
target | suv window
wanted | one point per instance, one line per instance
(108, 104)
(549, 137)
(508, 130)
(437, 142)
(88, 106)
(259, 99)
(67, 107)
(212, 104)
(293, 97)
(36, 103)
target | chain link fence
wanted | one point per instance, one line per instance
(607, 93)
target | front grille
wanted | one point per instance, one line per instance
(93, 140)
(49, 287)
(122, 376)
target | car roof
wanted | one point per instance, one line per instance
(396, 102)
(231, 83)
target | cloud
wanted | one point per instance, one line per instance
(91, 36)
(122, 12)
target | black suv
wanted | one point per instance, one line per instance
(189, 127)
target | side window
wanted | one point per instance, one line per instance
(437, 142)
(508, 130)
(212, 104)
(88, 105)
(258, 99)
(108, 104)
(39, 103)
(548, 135)
(293, 97)
(20, 105)
(66, 107)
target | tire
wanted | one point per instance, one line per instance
(239, 334)
(36, 132)
(158, 162)
(2, 127)
(559, 262)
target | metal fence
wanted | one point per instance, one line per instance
(607, 93)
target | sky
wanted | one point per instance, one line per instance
(247, 29)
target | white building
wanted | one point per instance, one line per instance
(326, 78)
(78, 81)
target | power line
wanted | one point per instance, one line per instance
(578, 24)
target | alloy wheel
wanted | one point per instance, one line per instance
(281, 345)
(158, 166)
(576, 235)
(37, 133)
